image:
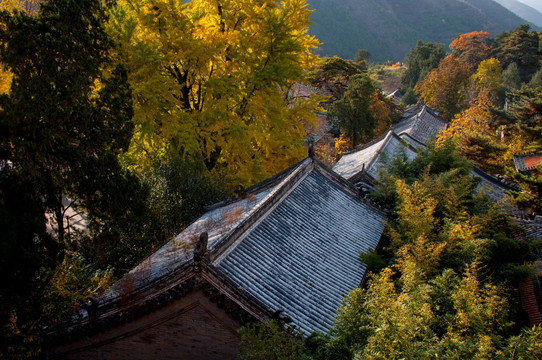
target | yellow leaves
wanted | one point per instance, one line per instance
(30, 6)
(342, 144)
(5, 80)
(488, 75)
(423, 253)
(210, 79)
(415, 210)
(475, 119)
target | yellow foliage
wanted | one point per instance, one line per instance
(475, 119)
(10, 5)
(30, 6)
(212, 81)
(415, 211)
(343, 144)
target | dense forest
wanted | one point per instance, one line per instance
(121, 120)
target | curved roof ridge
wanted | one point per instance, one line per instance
(491, 178)
(368, 144)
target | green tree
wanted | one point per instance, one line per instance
(536, 80)
(270, 340)
(520, 46)
(333, 75)
(510, 77)
(362, 55)
(525, 112)
(353, 112)
(419, 61)
(64, 121)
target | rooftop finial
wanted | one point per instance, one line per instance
(201, 246)
(311, 150)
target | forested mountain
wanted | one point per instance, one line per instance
(535, 4)
(523, 10)
(389, 28)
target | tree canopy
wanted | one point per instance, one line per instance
(212, 80)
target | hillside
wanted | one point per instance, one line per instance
(522, 10)
(535, 4)
(389, 28)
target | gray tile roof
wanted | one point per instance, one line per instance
(304, 256)
(421, 123)
(491, 186)
(368, 157)
(292, 243)
(396, 96)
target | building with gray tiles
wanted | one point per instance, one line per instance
(286, 248)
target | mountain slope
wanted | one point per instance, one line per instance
(390, 28)
(535, 4)
(522, 10)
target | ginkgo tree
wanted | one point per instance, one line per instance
(211, 80)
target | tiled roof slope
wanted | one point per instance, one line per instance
(304, 256)
(396, 96)
(368, 157)
(526, 163)
(420, 122)
(492, 187)
(291, 242)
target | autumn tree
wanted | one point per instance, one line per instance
(471, 48)
(438, 296)
(211, 81)
(444, 87)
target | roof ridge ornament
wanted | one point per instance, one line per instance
(200, 249)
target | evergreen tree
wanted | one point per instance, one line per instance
(353, 112)
(520, 46)
(536, 80)
(419, 61)
(62, 125)
(510, 77)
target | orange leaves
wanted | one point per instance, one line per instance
(471, 47)
(442, 87)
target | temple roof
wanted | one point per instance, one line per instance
(527, 163)
(368, 158)
(492, 187)
(420, 122)
(291, 242)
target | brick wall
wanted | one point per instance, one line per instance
(190, 328)
(530, 297)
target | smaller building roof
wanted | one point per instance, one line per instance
(420, 122)
(396, 95)
(527, 163)
(495, 189)
(368, 158)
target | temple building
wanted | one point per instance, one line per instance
(286, 248)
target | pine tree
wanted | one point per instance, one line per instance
(62, 125)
